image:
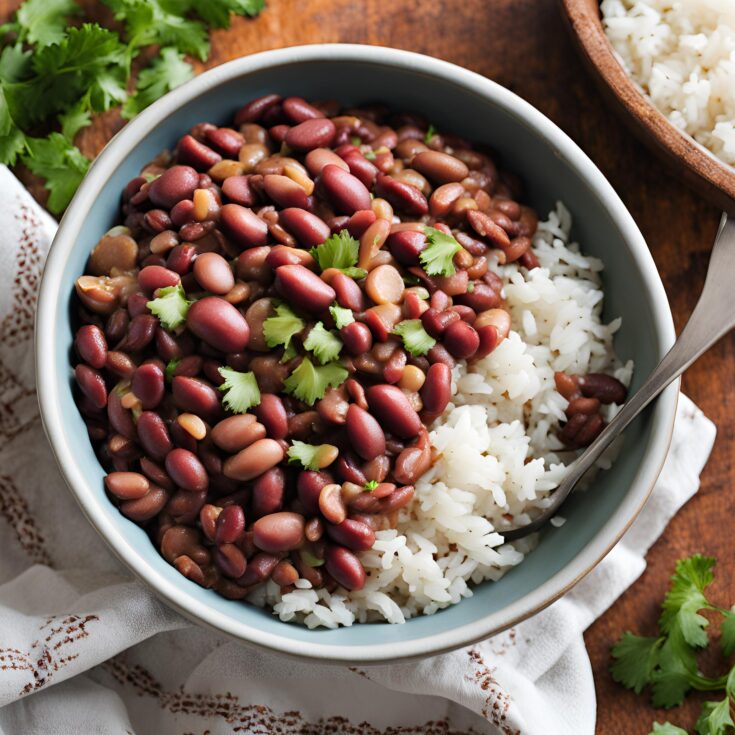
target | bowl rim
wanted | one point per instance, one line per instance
(703, 167)
(173, 594)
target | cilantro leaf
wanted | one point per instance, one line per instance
(635, 658)
(60, 163)
(280, 329)
(342, 317)
(171, 368)
(727, 632)
(43, 22)
(309, 383)
(166, 72)
(715, 718)
(370, 485)
(242, 390)
(15, 64)
(216, 13)
(430, 133)
(310, 560)
(308, 455)
(415, 338)
(667, 729)
(675, 671)
(76, 118)
(339, 251)
(325, 345)
(12, 139)
(171, 306)
(437, 257)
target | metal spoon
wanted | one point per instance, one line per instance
(713, 316)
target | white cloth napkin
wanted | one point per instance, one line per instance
(86, 649)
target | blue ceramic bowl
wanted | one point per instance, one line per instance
(552, 167)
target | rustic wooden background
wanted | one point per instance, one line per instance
(523, 45)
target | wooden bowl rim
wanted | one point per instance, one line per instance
(586, 23)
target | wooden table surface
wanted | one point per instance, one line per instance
(523, 45)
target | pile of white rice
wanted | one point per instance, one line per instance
(499, 451)
(682, 53)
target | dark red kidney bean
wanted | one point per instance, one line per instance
(213, 273)
(348, 470)
(466, 314)
(140, 333)
(489, 340)
(482, 297)
(333, 407)
(254, 460)
(268, 490)
(259, 569)
(518, 247)
(399, 499)
(461, 340)
(567, 385)
(437, 388)
(155, 473)
(195, 396)
(120, 418)
(529, 260)
(318, 158)
(345, 567)
(453, 285)
(167, 347)
(568, 435)
(439, 168)
(277, 532)
(439, 353)
(180, 259)
(390, 406)
(252, 265)
(230, 560)
(411, 463)
(148, 385)
(360, 221)
(117, 325)
(182, 213)
(226, 140)
(191, 152)
(278, 132)
(185, 469)
(238, 190)
(306, 227)
(285, 192)
(406, 246)
(590, 431)
(173, 185)
(92, 384)
(349, 294)
(147, 507)
(230, 525)
(272, 414)
(283, 255)
(393, 368)
(582, 405)
(402, 196)
(357, 338)
(361, 168)
(436, 322)
(156, 220)
(189, 367)
(308, 487)
(356, 392)
(440, 301)
(237, 432)
(285, 573)
(298, 109)
(243, 226)
(484, 226)
(183, 438)
(345, 192)
(355, 535)
(127, 485)
(303, 289)
(92, 346)
(254, 110)
(377, 468)
(138, 304)
(603, 387)
(310, 134)
(364, 433)
(193, 231)
(219, 323)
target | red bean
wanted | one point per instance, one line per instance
(195, 396)
(308, 487)
(310, 134)
(357, 338)
(489, 340)
(230, 525)
(238, 190)
(259, 569)
(318, 158)
(393, 368)
(284, 255)
(285, 192)
(244, 227)
(213, 273)
(226, 140)
(92, 346)
(361, 168)
(482, 297)
(440, 168)
(406, 246)
(190, 151)
(268, 490)
(140, 333)
(185, 469)
(461, 340)
(364, 433)
(230, 559)
(254, 110)
(348, 293)
(402, 196)
(346, 193)
(237, 432)
(254, 460)
(148, 385)
(173, 185)
(153, 277)
(277, 532)
(127, 485)
(436, 322)
(181, 258)
(272, 415)
(303, 289)
(147, 507)
(399, 499)
(392, 408)
(298, 109)
(360, 221)
(219, 324)
(345, 567)
(436, 391)
(603, 387)
(120, 418)
(92, 385)
(355, 535)
(307, 228)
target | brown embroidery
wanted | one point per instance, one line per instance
(497, 700)
(14, 509)
(255, 719)
(49, 653)
(501, 644)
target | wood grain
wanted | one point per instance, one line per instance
(523, 45)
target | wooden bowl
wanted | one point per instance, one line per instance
(702, 170)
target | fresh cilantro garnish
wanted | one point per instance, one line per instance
(309, 382)
(437, 257)
(311, 560)
(430, 133)
(356, 140)
(76, 118)
(43, 22)
(242, 390)
(339, 251)
(171, 368)
(370, 155)
(171, 306)
(342, 317)
(415, 338)
(470, 287)
(280, 329)
(167, 71)
(668, 663)
(217, 12)
(325, 345)
(305, 454)
(370, 485)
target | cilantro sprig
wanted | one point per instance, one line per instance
(309, 382)
(342, 317)
(241, 390)
(325, 345)
(171, 306)
(339, 251)
(437, 257)
(280, 329)
(667, 663)
(307, 455)
(415, 338)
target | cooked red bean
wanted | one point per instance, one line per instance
(315, 133)
(276, 532)
(402, 196)
(268, 491)
(603, 387)
(348, 293)
(392, 408)
(92, 346)
(230, 559)
(237, 432)
(173, 185)
(364, 432)
(259, 569)
(346, 193)
(345, 567)
(219, 324)
(285, 191)
(357, 338)
(254, 460)
(318, 158)
(244, 227)
(213, 273)
(440, 168)
(153, 277)
(148, 385)
(309, 486)
(306, 227)
(194, 153)
(406, 246)
(461, 340)
(298, 109)
(92, 385)
(437, 389)
(303, 288)
(230, 525)
(195, 395)
(436, 322)
(127, 485)
(254, 110)
(185, 469)
(355, 535)
(147, 507)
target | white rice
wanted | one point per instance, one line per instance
(682, 53)
(498, 445)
